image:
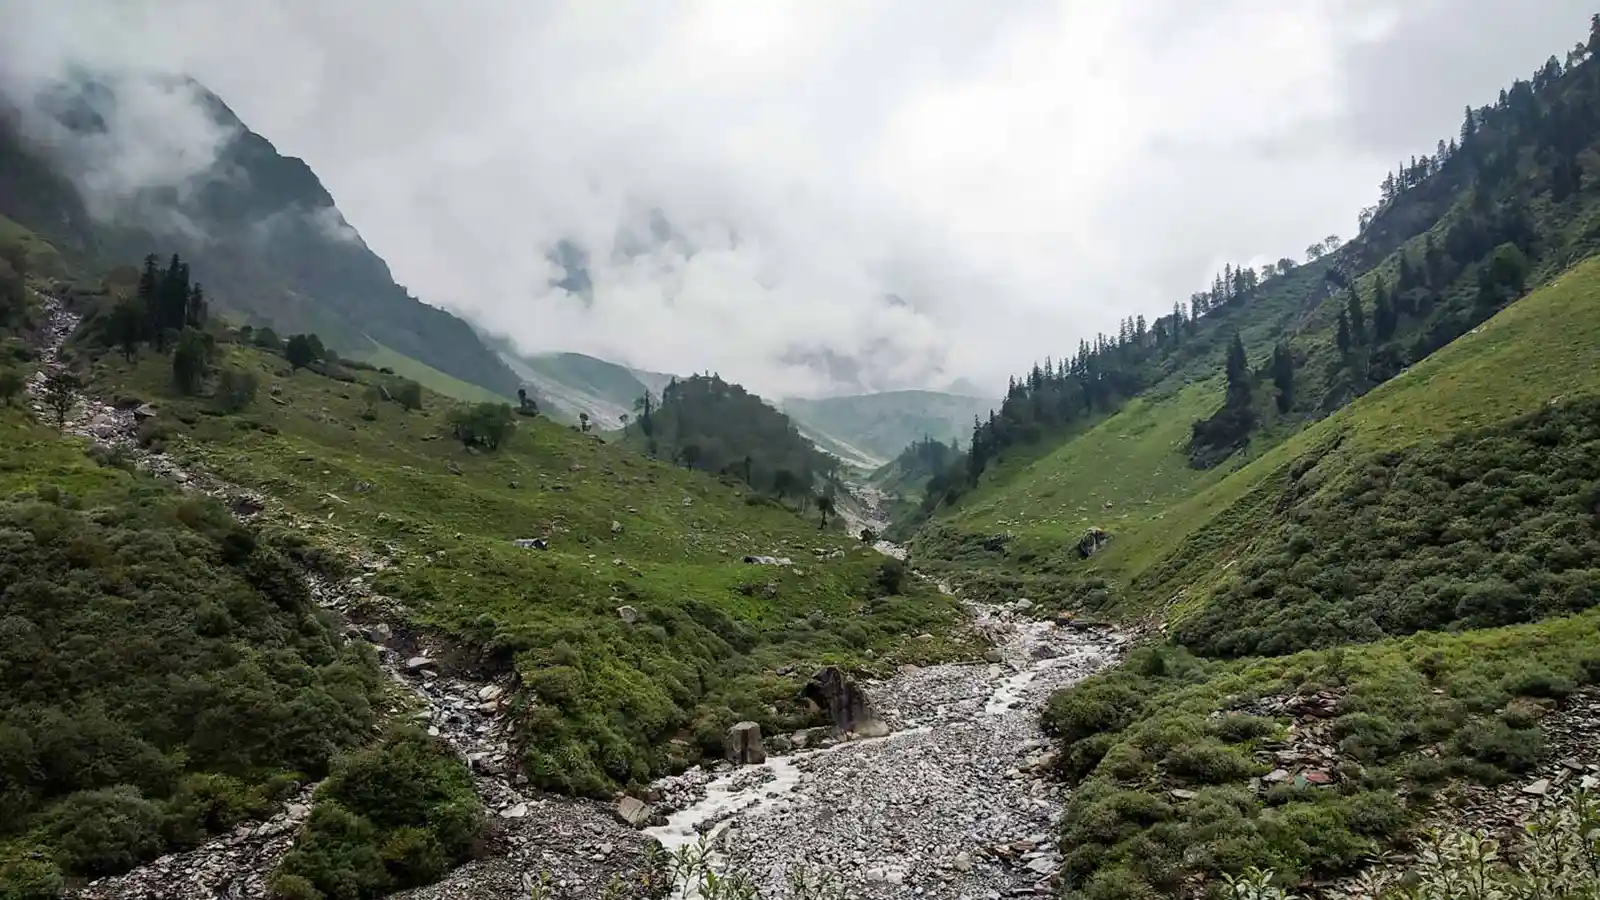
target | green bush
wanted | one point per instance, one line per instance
(157, 672)
(389, 817)
(30, 879)
(1209, 761)
(103, 832)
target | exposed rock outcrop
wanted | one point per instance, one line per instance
(846, 703)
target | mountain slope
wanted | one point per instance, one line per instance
(272, 245)
(572, 383)
(1394, 520)
(884, 424)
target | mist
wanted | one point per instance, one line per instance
(805, 198)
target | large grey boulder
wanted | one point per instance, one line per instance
(634, 811)
(846, 703)
(745, 747)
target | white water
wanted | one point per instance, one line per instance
(722, 799)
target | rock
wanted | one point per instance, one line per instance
(532, 543)
(1044, 865)
(490, 692)
(418, 663)
(1317, 776)
(993, 655)
(769, 560)
(1093, 541)
(1277, 776)
(745, 747)
(628, 614)
(962, 862)
(633, 811)
(616, 527)
(1182, 794)
(1538, 788)
(146, 411)
(519, 811)
(1022, 605)
(380, 633)
(845, 702)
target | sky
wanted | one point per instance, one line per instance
(814, 197)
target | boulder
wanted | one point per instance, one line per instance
(745, 747)
(418, 663)
(845, 701)
(144, 411)
(634, 812)
(628, 614)
(1093, 541)
(616, 527)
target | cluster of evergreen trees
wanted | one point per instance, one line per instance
(705, 423)
(165, 305)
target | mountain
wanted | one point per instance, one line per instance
(883, 424)
(569, 384)
(1356, 494)
(271, 244)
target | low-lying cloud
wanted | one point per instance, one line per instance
(813, 197)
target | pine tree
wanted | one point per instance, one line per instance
(1283, 376)
(1384, 318)
(1358, 319)
(1238, 372)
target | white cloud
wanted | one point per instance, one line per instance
(1018, 174)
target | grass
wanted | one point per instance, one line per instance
(1411, 714)
(429, 377)
(1175, 530)
(605, 699)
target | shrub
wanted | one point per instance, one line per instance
(407, 393)
(30, 879)
(1208, 761)
(103, 832)
(390, 817)
(1234, 728)
(236, 389)
(484, 425)
(1098, 705)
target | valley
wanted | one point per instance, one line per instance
(310, 590)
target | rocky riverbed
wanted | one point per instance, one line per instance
(954, 803)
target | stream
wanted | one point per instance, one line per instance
(954, 803)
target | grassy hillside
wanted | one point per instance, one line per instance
(1174, 527)
(429, 377)
(883, 424)
(1394, 537)
(606, 698)
(163, 673)
(1188, 769)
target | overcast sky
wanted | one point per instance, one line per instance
(933, 188)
